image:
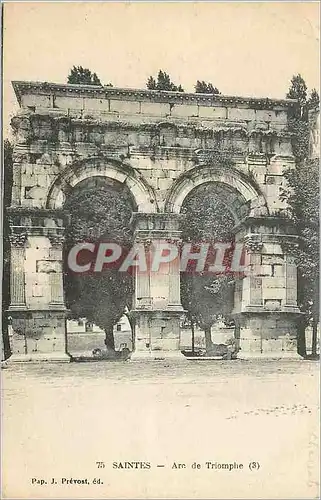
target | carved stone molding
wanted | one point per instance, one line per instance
(18, 240)
(253, 243)
(56, 240)
(147, 242)
(23, 87)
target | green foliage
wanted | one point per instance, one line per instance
(8, 171)
(298, 90)
(163, 82)
(83, 76)
(151, 83)
(299, 129)
(207, 298)
(202, 87)
(303, 201)
(302, 197)
(99, 213)
(314, 99)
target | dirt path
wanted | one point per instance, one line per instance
(59, 420)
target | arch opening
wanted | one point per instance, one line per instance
(210, 211)
(244, 197)
(142, 193)
(100, 210)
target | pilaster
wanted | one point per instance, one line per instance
(158, 309)
(37, 304)
(267, 312)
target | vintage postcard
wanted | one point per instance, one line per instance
(160, 250)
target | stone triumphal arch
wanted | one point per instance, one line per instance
(159, 145)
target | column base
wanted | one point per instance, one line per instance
(267, 335)
(157, 356)
(269, 355)
(53, 357)
(38, 335)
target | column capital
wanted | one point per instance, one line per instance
(18, 238)
(253, 242)
(56, 239)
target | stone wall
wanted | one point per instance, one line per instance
(159, 134)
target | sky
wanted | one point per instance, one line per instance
(248, 49)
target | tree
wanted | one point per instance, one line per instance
(102, 298)
(207, 298)
(99, 212)
(314, 99)
(83, 76)
(298, 90)
(163, 82)
(151, 83)
(302, 196)
(8, 182)
(202, 87)
(298, 123)
(303, 200)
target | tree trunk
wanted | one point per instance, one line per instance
(314, 335)
(193, 336)
(301, 338)
(109, 339)
(208, 339)
(131, 321)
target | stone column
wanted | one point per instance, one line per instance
(158, 312)
(267, 317)
(17, 272)
(56, 276)
(289, 247)
(17, 308)
(248, 317)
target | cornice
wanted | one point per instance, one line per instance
(27, 87)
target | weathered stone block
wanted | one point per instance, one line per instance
(214, 112)
(43, 101)
(124, 107)
(273, 282)
(274, 293)
(272, 259)
(278, 270)
(265, 115)
(18, 344)
(155, 108)
(48, 266)
(266, 270)
(69, 102)
(96, 104)
(162, 183)
(272, 304)
(272, 248)
(272, 345)
(241, 114)
(184, 110)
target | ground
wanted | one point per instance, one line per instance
(60, 419)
